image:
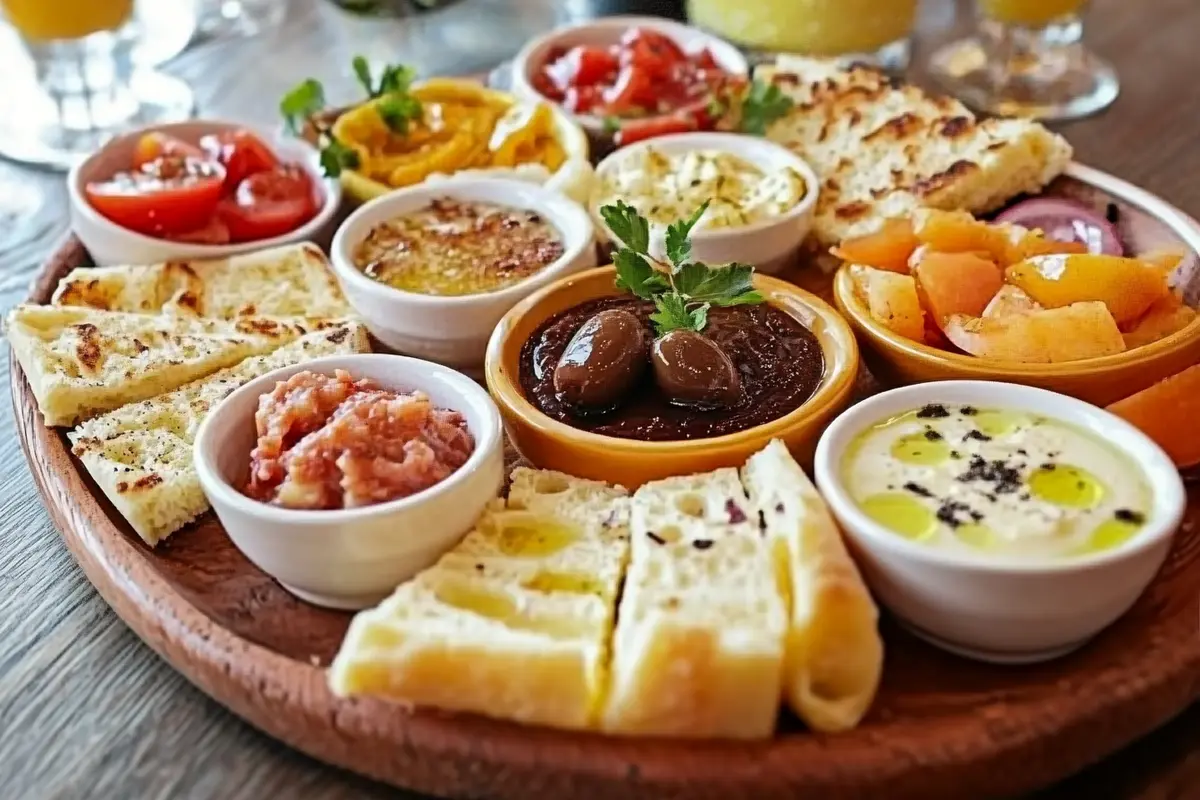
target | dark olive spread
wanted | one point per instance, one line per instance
(751, 365)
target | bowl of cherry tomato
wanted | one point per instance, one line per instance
(632, 78)
(197, 189)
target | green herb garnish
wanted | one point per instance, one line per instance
(682, 290)
(336, 157)
(304, 100)
(611, 124)
(762, 104)
(395, 105)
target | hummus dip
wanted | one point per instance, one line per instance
(994, 481)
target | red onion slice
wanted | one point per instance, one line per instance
(1066, 221)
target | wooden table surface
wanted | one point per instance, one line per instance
(87, 710)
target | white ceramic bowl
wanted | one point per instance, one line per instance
(1001, 611)
(351, 558)
(454, 330)
(110, 244)
(769, 244)
(607, 31)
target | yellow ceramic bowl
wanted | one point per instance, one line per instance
(895, 359)
(551, 444)
(573, 178)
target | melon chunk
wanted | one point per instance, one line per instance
(959, 232)
(956, 283)
(891, 300)
(1167, 413)
(1070, 333)
(1008, 301)
(1167, 315)
(1127, 286)
(888, 248)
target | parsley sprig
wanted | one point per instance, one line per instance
(762, 104)
(682, 290)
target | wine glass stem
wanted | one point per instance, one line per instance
(1027, 56)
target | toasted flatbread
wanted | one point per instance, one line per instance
(883, 149)
(140, 455)
(81, 362)
(289, 281)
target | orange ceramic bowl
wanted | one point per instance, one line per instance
(896, 359)
(551, 444)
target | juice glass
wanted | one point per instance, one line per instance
(81, 83)
(1027, 59)
(876, 31)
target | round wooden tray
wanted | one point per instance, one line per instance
(941, 727)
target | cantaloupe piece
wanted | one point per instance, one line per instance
(956, 283)
(1167, 315)
(1008, 301)
(888, 248)
(1024, 243)
(1070, 333)
(959, 232)
(1167, 413)
(891, 299)
(1127, 286)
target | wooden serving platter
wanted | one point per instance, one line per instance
(941, 727)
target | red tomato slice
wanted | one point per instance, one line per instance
(169, 195)
(241, 152)
(154, 145)
(269, 204)
(650, 42)
(637, 130)
(215, 232)
(582, 99)
(633, 91)
(583, 66)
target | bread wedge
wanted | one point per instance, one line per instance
(288, 281)
(515, 621)
(140, 455)
(699, 646)
(81, 362)
(834, 655)
(882, 149)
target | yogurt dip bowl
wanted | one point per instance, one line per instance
(454, 329)
(1006, 598)
(553, 444)
(351, 558)
(673, 175)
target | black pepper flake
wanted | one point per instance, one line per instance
(735, 512)
(918, 489)
(1048, 467)
(976, 516)
(1129, 515)
(1021, 451)
(762, 520)
(932, 435)
(933, 411)
(955, 454)
(968, 411)
(611, 519)
(978, 436)
(1024, 496)
(654, 537)
(778, 508)
(949, 510)
(702, 544)
(1005, 478)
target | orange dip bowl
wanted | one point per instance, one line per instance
(550, 444)
(896, 359)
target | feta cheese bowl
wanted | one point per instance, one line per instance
(760, 196)
(1000, 522)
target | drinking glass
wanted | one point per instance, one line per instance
(874, 31)
(238, 17)
(1027, 59)
(80, 84)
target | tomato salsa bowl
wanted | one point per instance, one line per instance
(204, 181)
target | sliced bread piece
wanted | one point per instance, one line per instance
(699, 646)
(289, 281)
(834, 654)
(515, 621)
(81, 362)
(140, 455)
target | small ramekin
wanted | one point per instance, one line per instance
(770, 244)
(1003, 610)
(351, 558)
(110, 244)
(454, 330)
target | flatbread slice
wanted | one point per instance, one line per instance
(289, 281)
(81, 362)
(140, 455)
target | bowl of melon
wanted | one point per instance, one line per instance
(941, 295)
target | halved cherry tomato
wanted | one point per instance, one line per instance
(637, 130)
(241, 152)
(154, 145)
(169, 195)
(269, 204)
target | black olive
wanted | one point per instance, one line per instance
(693, 370)
(603, 360)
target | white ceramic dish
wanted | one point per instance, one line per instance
(109, 243)
(454, 330)
(351, 558)
(768, 244)
(608, 31)
(991, 610)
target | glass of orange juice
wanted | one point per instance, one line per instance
(1027, 58)
(876, 31)
(82, 82)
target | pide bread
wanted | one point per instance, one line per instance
(883, 149)
(289, 281)
(140, 455)
(82, 361)
(515, 621)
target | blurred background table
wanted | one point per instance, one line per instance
(87, 710)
